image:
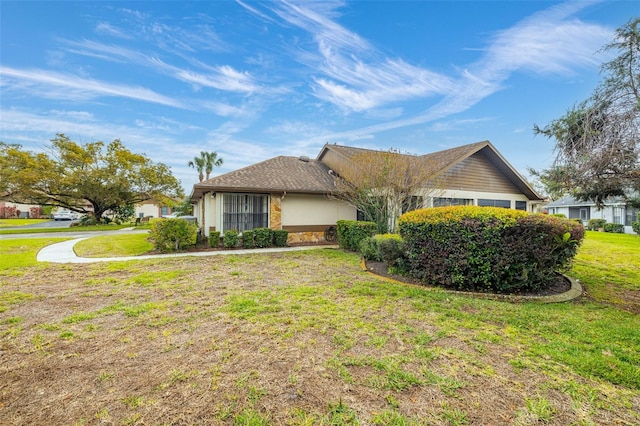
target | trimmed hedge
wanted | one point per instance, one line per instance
(636, 225)
(247, 240)
(214, 238)
(616, 228)
(173, 234)
(595, 224)
(388, 248)
(262, 237)
(230, 239)
(486, 248)
(280, 237)
(352, 232)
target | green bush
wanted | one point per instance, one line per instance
(280, 237)
(558, 215)
(230, 238)
(391, 248)
(248, 241)
(487, 249)
(173, 234)
(616, 228)
(370, 250)
(636, 225)
(262, 237)
(352, 232)
(214, 238)
(595, 224)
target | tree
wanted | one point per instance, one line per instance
(211, 161)
(384, 184)
(85, 178)
(598, 140)
(205, 163)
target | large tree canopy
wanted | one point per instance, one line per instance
(84, 178)
(598, 140)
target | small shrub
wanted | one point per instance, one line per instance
(230, 238)
(352, 232)
(262, 237)
(173, 234)
(214, 238)
(636, 225)
(562, 215)
(280, 237)
(391, 248)
(247, 240)
(370, 250)
(595, 224)
(616, 228)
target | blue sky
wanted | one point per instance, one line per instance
(253, 80)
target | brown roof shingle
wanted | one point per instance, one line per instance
(279, 174)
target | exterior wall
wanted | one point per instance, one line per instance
(9, 210)
(147, 209)
(313, 210)
(476, 173)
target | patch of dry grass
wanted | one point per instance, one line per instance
(298, 338)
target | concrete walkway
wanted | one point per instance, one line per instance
(63, 253)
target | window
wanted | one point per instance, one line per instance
(631, 216)
(443, 202)
(617, 214)
(521, 205)
(244, 212)
(506, 204)
(164, 211)
(412, 203)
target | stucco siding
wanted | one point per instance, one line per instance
(309, 210)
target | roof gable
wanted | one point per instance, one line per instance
(278, 174)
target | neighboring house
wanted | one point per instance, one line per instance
(150, 208)
(294, 193)
(615, 211)
(9, 210)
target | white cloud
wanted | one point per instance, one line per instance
(55, 85)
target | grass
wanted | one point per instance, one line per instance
(307, 338)
(4, 223)
(90, 228)
(114, 246)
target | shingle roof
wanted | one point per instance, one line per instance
(279, 174)
(442, 161)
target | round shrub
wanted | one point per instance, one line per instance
(214, 238)
(262, 237)
(487, 249)
(369, 249)
(280, 237)
(230, 238)
(247, 240)
(352, 232)
(173, 234)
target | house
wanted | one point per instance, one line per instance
(151, 208)
(10, 210)
(615, 211)
(294, 193)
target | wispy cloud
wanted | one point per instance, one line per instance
(54, 85)
(105, 28)
(353, 74)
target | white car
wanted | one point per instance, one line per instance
(65, 215)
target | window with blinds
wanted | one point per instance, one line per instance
(244, 212)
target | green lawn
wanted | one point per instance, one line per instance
(5, 223)
(307, 338)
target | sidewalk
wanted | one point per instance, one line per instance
(63, 253)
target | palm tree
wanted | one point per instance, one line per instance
(198, 163)
(211, 161)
